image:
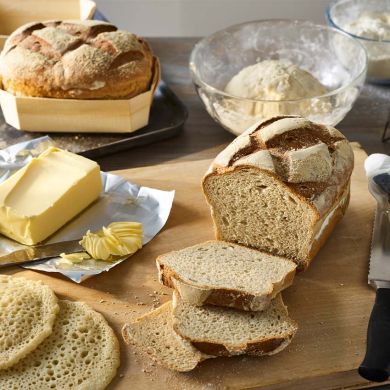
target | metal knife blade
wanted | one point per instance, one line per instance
(40, 252)
(379, 272)
(375, 366)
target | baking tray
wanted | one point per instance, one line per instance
(166, 120)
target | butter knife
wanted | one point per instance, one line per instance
(40, 252)
(376, 364)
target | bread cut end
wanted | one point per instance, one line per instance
(253, 208)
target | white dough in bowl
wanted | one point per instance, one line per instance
(274, 80)
(374, 26)
(278, 86)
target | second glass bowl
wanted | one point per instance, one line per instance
(342, 12)
(338, 61)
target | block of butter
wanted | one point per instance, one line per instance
(45, 194)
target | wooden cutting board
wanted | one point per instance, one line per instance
(331, 301)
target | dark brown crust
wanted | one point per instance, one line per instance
(309, 189)
(210, 348)
(302, 137)
(23, 35)
(255, 145)
(230, 298)
(261, 348)
(265, 347)
(272, 120)
(84, 34)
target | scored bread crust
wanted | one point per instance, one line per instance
(264, 346)
(199, 295)
(228, 161)
(75, 59)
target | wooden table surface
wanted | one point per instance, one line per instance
(202, 138)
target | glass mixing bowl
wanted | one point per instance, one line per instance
(340, 13)
(338, 61)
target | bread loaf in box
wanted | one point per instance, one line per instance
(281, 187)
(75, 59)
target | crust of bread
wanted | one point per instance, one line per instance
(204, 295)
(267, 347)
(76, 60)
(334, 220)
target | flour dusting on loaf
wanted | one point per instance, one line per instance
(275, 182)
(75, 59)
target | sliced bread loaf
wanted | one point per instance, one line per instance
(154, 333)
(281, 187)
(226, 332)
(224, 274)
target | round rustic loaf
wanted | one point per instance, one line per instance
(75, 59)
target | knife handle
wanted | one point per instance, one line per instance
(383, 181)
(376, 364)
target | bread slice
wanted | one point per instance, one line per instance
(226, 332)
(281, 187)
(154, 333)
(224, 274)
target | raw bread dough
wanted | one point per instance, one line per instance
(274, 80)
(371, 25)
(375, 26)
(281, 84)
